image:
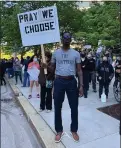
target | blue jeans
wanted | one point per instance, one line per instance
(70, 87)
(10, 72)
(92, 77)
(26, 78)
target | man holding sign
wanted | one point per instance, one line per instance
(66, 62)
(40, 27)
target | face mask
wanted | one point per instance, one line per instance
(83, 55)
(83, 59)
(16, 60)
(35, 59)
(107, 54)
(89, 57)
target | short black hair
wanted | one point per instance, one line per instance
(48, 54)
(65, 33)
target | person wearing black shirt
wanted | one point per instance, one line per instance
(2, 72)
(105, 75)
(26, 75)
(92, 71)
(84, 66)
(9, 66)
(117, 70)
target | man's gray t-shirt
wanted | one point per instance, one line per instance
(66, 62)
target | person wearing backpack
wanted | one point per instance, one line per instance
(46, 82)
(105, 74)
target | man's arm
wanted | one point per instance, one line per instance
(80, 77)
(80, 74)
(111, 72)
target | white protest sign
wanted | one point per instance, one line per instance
(87, 47)
(39, 26)
(99, 49)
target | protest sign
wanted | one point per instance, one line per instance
(100, 48)
(87, 47)
(39, 26)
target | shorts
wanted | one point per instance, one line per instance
(33, 79)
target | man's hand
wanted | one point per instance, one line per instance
(81, 91)
(44, 65)
(100, 78)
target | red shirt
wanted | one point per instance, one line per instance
(34, 64)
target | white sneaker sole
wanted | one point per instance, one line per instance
(60, 138)
(73, 138)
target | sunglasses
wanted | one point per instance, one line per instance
(67, 36)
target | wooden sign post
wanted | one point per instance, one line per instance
(43, 57)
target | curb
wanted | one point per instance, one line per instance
(44, 133)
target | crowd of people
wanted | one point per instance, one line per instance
(63, 67)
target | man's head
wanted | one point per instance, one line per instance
(48, 56)
(83, 54)
(16, 59)
(105, 59)
(107, 53)
(66, 39)
(89, 56)
(118, 58)
(28, 57)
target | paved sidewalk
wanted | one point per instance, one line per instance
(96, 129)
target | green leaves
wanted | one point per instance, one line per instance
(100, 22)
(67, 12)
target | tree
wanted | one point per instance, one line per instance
(102, 22)
(67, 12)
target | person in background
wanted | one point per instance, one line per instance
(2, 72)
(84, 66)
(9, 66)
(117, 70)
(92, 71)
(26, 81)
(33, 70)
(105, 75)
(107, 54)
(46, 82)
(17, 70)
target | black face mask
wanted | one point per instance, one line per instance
(83, 55)
(105, 62)
(107, 54)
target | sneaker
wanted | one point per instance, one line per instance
(41, 110)
(59, 137)
(29, 97)
(38, 96)
(48, 111)
(75, 136)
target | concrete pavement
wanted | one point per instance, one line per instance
(15, 130)
(96, 129)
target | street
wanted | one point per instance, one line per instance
(15, 130)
